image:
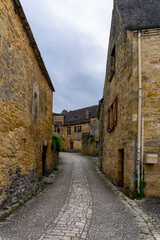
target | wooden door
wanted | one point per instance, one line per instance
(121, 167)
(71, 146)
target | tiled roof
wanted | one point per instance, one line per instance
(137, 14)
(80, 116)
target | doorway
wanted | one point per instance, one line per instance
(121, 167)
(44, 160)
(71, 146)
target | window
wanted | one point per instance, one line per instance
(113, 64)
(35, 102)
(77, 129)
(68, 130)
(35, 106)
(112, 116)
(55, 129)
(45, 110)
(97, 145)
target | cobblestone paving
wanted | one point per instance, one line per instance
(74, 218)
(149, 230)
(81, 204)
(151, 205)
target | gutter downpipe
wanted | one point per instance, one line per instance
(139, 109)
(135, 160)
(142, 149)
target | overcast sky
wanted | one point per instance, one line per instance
(72, 36)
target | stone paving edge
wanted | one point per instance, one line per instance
(146, 222)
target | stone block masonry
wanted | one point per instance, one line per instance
(118, 148)
(26, 94)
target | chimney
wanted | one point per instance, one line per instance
(87, 113)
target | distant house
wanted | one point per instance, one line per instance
(58, 123)
(131, 104)
(80, 131)
(26, 96)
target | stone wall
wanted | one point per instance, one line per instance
(150, 103)
(25, 109)
(119, 144)
(101, 134)
(55, 158)
(75, 137)
(119, 86)
(90, 141)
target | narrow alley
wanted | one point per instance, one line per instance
(80, 204)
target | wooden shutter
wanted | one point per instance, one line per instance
(115, 112)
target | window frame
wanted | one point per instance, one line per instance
(113, 63)
(114, 108)
(78, 129)
(68, 130)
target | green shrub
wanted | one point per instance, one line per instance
(56, 143)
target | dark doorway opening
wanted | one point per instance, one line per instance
(71, 146)
(121, 167)
(44, 160)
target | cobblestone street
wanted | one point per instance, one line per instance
(81, 204)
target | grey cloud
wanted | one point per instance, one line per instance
(75, 62)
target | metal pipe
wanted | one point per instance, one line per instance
(142, 156)
(135, 162)
(139, 108)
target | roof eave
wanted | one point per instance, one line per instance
(33, 43)
(141, 27)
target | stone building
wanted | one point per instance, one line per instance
(26, 94)
(80, 131)
(101, 129)
(131, 106)
(58, 123)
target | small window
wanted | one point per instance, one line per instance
(35, 103)
(113, 63)
(55, 129)
(112, 116)
(79, 129)
(35, 107)
(68, 130)
(45, 110)
(97, 145)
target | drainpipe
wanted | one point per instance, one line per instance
(139, 108)
(142, 156)
(135, 160)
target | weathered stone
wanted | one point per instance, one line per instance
(47, 180)
(118, 140)
(4, 214)
(11, 208)
(14, 200)
(25, 91)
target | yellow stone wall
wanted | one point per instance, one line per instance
(120, 86)
(89, 141)
(76, 138)
(124, 85)
(150, 104)
(20, 137)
